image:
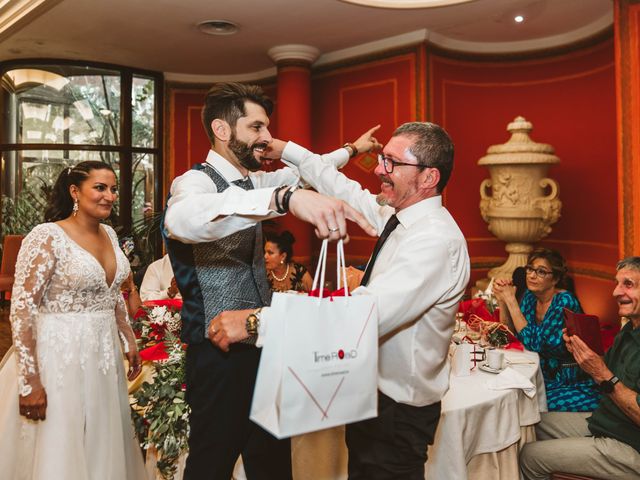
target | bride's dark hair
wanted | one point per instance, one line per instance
(60, 201)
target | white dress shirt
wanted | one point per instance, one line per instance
(197, 212)
(418, 278)
(157, 280)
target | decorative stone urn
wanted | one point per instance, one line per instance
(519, 202)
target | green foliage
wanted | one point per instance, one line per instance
(143, 245)
(159, 410)
(161, 415)
(146, 232)
(25, 211)
(21, 214)
(498, 338)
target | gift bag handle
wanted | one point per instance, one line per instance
(322, 266)
(320, 269)
(341, 273)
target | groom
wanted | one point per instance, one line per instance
(214, 239)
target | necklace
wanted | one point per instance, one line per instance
(278, 279)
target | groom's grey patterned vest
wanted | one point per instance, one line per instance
(225, 274)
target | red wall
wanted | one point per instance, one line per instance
(570, 99)
(627, 55)
(350, 100)
(188, 142)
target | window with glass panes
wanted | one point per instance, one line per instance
(56, 114)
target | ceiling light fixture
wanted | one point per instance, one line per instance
(518, 18)
(399, 4)
(217, 27)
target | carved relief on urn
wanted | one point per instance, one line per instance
(519, 202)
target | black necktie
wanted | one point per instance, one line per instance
(392, 223)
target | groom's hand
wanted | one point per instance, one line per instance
(229, 327)
(328, 215)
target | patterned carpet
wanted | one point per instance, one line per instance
(5, 329)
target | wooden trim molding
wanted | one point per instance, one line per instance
(18, 13)
(627, 54)
(538, 54)
(582, 269)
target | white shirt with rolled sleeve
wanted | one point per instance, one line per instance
(419, 278)
(197, 212)
(157, 280)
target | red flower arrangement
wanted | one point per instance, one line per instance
(160, 412)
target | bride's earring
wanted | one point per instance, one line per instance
(75, 207)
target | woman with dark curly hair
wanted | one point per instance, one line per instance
(283, 273)
(538, 320)
(64, 408)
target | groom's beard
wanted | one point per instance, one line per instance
(245, 152)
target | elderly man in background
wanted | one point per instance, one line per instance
(605, 443)
(418, 272)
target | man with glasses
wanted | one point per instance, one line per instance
(418, 272)
(605, 443)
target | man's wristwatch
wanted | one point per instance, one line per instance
(253, 322)
(607, 386)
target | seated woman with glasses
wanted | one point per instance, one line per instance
(538, 320)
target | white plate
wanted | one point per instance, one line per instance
(486, 368)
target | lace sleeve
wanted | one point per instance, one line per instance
(34, 267)
(124, 327)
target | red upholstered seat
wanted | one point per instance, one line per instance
(10, 249)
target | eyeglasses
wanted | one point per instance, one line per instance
(389, 163)
(540, 272)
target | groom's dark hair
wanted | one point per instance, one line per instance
(226, 102)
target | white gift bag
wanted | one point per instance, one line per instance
(319, 363)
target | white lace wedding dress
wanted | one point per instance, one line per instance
(67, 325)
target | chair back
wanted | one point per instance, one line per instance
(10, 249)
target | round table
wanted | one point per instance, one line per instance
(480, 429)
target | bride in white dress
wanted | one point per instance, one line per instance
(64, 410)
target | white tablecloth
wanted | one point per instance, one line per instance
(476, 420)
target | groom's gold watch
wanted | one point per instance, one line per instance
(253, 322)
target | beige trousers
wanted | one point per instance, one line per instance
(565, 445)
